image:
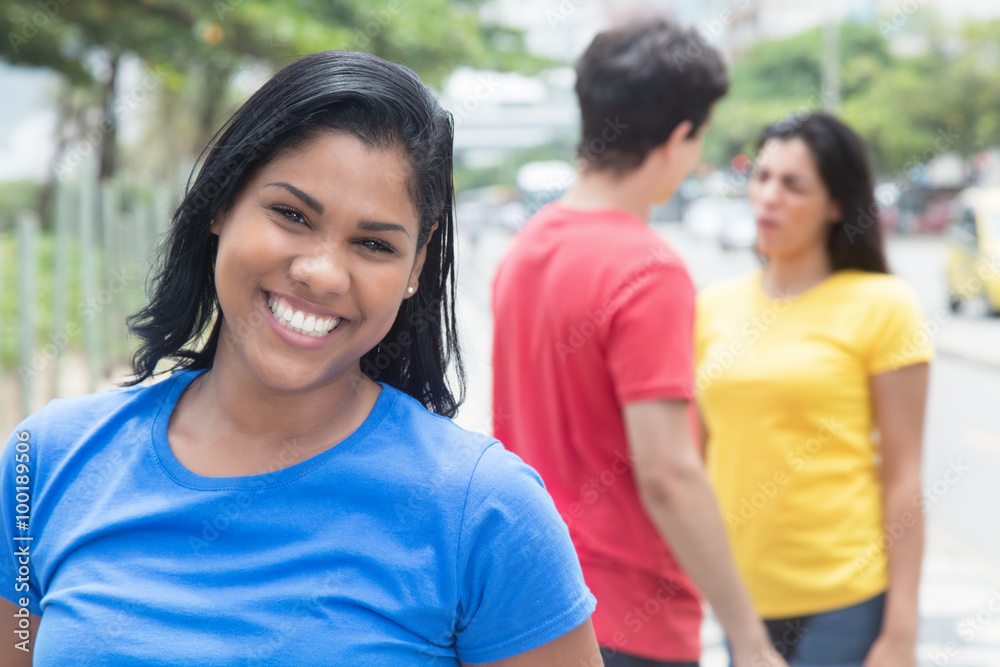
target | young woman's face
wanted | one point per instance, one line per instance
(315, 258)
(791, 203)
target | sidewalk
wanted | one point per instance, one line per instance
(959, 594)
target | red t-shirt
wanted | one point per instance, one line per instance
(593, 310)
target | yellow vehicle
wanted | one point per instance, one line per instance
(973, 262)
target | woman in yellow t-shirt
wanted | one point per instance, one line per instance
(812, 381)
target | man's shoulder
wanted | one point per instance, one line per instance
(613, 238)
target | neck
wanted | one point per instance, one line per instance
(596, 190)
(247, 418)
(794, 274)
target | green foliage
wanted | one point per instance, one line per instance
(42, 303)
(192, 50)
(16, 196)
(908, 108)
(78, 315)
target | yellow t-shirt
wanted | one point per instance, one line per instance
(783, 385)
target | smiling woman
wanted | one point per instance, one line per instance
(292, 494)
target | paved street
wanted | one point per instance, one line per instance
(960, 627)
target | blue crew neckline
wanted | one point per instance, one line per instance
(175, 386)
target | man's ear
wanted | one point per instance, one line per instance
(679, 135)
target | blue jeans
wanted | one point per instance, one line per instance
(613, 658)
(838, 638)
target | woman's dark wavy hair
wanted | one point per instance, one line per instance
(385, 106)
(842, 161)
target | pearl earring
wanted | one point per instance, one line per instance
(409, 290)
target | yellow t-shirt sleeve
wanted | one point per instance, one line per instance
(898, 334)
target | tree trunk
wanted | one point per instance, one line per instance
(69, 128)
(109, 123)
(213, 91)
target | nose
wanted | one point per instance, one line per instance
(765, 193)
(323, 268)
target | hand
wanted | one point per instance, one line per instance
(892, 651)
(762, 654)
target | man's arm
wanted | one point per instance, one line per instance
(10, 655)
(702, 435)
(678, 498)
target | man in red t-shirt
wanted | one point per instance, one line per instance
(593, 362)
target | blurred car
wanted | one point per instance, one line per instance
(726, 220)
(476, 208)
(921, 210)
(539, 183)
(973, 259)
(703, 217)
(511, 216)
(739, 227)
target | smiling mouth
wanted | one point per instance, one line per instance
(301, 322)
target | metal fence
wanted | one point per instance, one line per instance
(66, 287)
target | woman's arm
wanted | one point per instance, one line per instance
(900, 398)
(10, 655)
(576, 648)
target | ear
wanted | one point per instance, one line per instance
(679, 135)
(834, 213)
(418, 265)
(217, 221)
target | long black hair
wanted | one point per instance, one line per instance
(855, 242)
(383, 105)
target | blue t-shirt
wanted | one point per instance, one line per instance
(412, 542)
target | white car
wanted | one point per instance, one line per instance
(739, 228)
(727, 220)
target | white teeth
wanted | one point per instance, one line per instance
(297, 320)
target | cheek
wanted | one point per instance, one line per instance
(379, 290)
(809, 219)
(236, 257)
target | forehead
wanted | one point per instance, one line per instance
(345, 174)
(787, 155)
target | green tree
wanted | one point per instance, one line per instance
(908, 108)
(777, 78)
(195, 48)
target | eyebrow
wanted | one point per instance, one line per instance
(309, 201)
(374, 226)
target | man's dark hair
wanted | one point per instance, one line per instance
(636, 83)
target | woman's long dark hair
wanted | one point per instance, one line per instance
(383, 105)
(842, 161)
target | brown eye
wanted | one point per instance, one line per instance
(289, 214)
(376, 245)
